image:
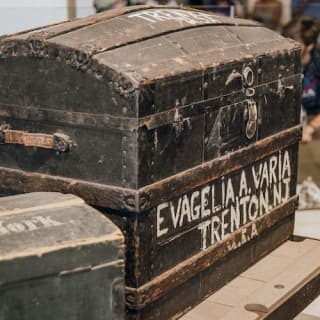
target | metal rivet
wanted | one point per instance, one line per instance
(250, 92)
(248, 76)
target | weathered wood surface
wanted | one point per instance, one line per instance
(186, 296)
(136, 201)
(278, 287)
(54, 30)
(170, 80)
(177, 124)
(209, 213)
(159, 286)
(59, 259)
(184, 182)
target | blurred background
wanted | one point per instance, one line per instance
(16, 15)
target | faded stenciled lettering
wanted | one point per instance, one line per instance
(247, 233)
(160, 15)
(35, 223)
(219, 209)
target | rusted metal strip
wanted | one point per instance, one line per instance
(185, 181)
(161, 285)
(28, 139)
(58, 141)
(93, 193)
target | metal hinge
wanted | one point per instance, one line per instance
(251, 118)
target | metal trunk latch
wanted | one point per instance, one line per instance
(251, 117)
(58, 141)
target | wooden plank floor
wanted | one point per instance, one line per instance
(288, 276)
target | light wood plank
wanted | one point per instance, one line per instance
(294, 250)
(207, 311)
(264, 270)
(306, 317)
(236, 291)
(287, 281)
(284, 285)
(270, 282)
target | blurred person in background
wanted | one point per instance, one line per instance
(309, 33)
(169, 3)
(268, 12)
(293, 28)
(221, 6)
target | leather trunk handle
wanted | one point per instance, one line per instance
(58, 141)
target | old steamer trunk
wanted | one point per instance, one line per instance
(181, 126)
(51, 267)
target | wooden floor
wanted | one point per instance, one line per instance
(264, 286)
(306, 317)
